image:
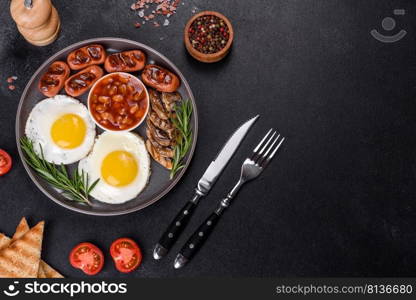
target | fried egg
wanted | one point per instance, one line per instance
(63, 127)
(121, 162)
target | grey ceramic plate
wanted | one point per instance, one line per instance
(159, 183)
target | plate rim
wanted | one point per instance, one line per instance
(174, 182)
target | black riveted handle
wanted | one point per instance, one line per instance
(174, 230)
(196, 241)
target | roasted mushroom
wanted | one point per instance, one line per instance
(160, 130)
(158, 135)
(165, 125)
(164, 161)
(157, 105)
(164, 151)
(169, 100)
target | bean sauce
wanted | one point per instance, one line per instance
(118, 102)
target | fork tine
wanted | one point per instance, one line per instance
(267, 143)
(264, 156)
(261, 158)
(263, 139)
(259, 145)
(269, 158)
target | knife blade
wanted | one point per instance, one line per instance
(223, 157)
(204, 185)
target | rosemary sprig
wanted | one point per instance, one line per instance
(77, 187)
(182, 122)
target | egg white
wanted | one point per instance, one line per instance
(41, 119)
(106, 143)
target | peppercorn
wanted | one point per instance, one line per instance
(208, 34)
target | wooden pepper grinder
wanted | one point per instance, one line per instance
(37, 20)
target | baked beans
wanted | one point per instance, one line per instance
(118, 101)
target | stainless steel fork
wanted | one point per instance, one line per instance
(251, 168)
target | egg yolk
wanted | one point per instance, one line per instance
(68, 131)
(119, 168)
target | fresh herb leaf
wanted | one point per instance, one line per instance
(182, 122)
(77, 187)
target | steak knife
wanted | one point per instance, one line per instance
(204, 186)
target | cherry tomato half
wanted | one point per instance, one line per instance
(5, 162)
(87, 257)
(126, 254)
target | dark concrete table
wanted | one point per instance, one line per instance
(340, 198)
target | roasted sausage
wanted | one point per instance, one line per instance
(126, 61)
(53, 80)
(82, 81)
(86, 56)
(160, 79)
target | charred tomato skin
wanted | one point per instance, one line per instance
(95, 253)
(123, 248)
(5, 162)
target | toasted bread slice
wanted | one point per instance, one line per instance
(45, 271)
(49, 271)
(21, 229)
(21, 259)
(41, 273)
(4, 241)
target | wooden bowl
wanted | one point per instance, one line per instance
(214, 57)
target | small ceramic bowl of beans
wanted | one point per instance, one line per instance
(208, 36)
(118, 102)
